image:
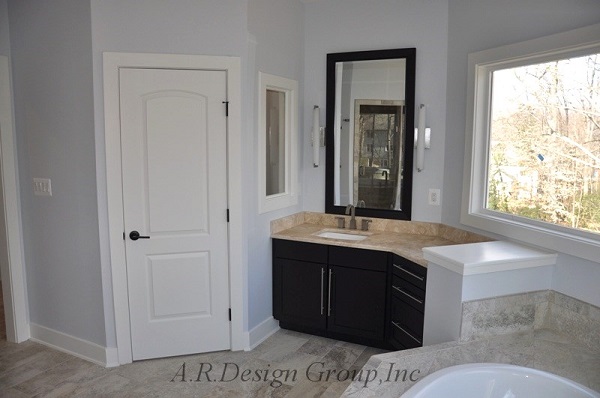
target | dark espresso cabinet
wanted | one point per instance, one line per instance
(331, 291)
(362, 296)
(407, 303)
(358, 292)
(299, 283)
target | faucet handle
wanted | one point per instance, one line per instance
(341, 222)
(365, 224)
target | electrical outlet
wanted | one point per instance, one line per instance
(434, 197)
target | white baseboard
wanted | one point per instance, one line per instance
(75, 346)
(261, 332)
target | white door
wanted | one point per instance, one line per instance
(173, 139)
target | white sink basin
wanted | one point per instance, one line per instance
(341, 235)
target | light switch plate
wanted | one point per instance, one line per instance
(42, 187)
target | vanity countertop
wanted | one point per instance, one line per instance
(404, 238)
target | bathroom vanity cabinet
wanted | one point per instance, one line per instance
(407, 303)
(345, 293)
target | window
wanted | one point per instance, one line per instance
(277, 159)
(533, 144)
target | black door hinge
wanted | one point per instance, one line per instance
(230, 314)
(123, 235)
(227, 215)
(226, 108)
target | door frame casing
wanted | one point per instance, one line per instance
(112, 63)
(12, 268)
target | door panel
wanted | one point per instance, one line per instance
(173, 138)
(179, 285)
(357, 302)
(303, 287)
(177, 145)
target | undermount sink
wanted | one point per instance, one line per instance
(341, 235)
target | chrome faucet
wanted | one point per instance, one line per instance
(350, 209)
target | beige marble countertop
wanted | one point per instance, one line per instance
(404, 238)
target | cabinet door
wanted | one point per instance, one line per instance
(357, 302)
(301, 296)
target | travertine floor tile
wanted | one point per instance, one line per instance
(33, 370)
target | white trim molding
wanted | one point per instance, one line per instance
(473, 212)
(261, 332)
(112, 62)
(12, 266)
(74, 346)
(289, 196)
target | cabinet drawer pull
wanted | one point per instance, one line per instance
(408, 295)
(405, 332)
(322, 291)
(409, 273)
(329, 294)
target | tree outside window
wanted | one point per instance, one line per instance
(544, 148)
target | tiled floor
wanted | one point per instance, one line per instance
(287, 364)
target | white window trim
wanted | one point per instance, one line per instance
(473, 213)
(289, 197)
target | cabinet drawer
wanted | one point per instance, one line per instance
(302, 251)
(408, 293)
(409, 271)
(401, 339)
(358, 258)
(407, 318)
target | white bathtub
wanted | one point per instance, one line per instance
(490, 380)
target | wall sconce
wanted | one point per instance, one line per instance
(422, 139)
(318, 135)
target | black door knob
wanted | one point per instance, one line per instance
(135, 235)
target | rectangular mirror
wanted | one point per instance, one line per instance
(370, 109)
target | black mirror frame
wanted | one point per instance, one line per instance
(406, 195)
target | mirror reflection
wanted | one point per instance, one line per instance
(275, 150)
(370, 95)
(376, 169)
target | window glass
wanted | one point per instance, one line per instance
(275, 142)
(544, 144)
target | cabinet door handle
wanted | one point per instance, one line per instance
(329, 293)
(409, 273)
(408, 295)
(322, 291)
(405, 332)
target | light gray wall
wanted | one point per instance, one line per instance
(577, 278)
(483, 24)
(57, 70)
(203, 27)
(267, 35)
(275, 46)
(52, 76)
(4, 50)
(4, 30)
(353, 25)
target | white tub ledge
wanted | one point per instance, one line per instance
(485, 257)
(476, 271)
